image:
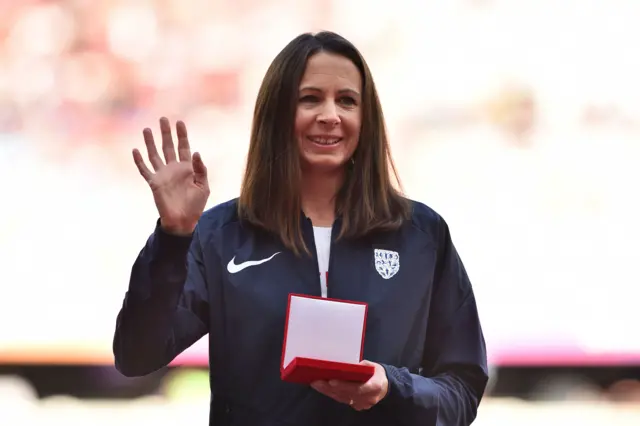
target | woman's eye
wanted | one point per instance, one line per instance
(309, 98)
(348, 101)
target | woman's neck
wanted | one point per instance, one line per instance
(318, 196)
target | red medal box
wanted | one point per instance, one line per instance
(323, 340)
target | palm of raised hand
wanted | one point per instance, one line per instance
(179, 184)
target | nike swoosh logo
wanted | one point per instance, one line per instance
(233, 268)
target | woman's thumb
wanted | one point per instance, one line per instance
(199, 169)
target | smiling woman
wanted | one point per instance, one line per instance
(317, 215)
(319, 145)
(328, 117)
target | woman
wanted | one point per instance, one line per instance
(317, 197)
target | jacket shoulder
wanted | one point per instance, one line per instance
(427, 220)
(219, 216)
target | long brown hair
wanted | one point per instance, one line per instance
(270, 194)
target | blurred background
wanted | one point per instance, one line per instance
(517, 120)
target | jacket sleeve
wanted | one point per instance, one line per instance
(454, 371)
(166, 308)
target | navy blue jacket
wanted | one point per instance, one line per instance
(422, 323)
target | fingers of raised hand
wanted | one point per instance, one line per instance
(142, 168)
(199, 169)
(184, 150)
(152, 152)
(168, 149)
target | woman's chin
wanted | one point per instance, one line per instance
(324, 163)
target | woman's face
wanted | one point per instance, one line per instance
(328, 115)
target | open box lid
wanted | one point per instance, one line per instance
(323, 329)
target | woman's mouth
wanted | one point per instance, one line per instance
(324, 140)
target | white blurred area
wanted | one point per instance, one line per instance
(190, 401)
(186, 397)
(517, 120)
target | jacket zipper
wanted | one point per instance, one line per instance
(331, 256)
(314, 251)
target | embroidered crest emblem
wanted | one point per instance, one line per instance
(387, 262)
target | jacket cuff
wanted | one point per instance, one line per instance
(170, 246)
(398, 388)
